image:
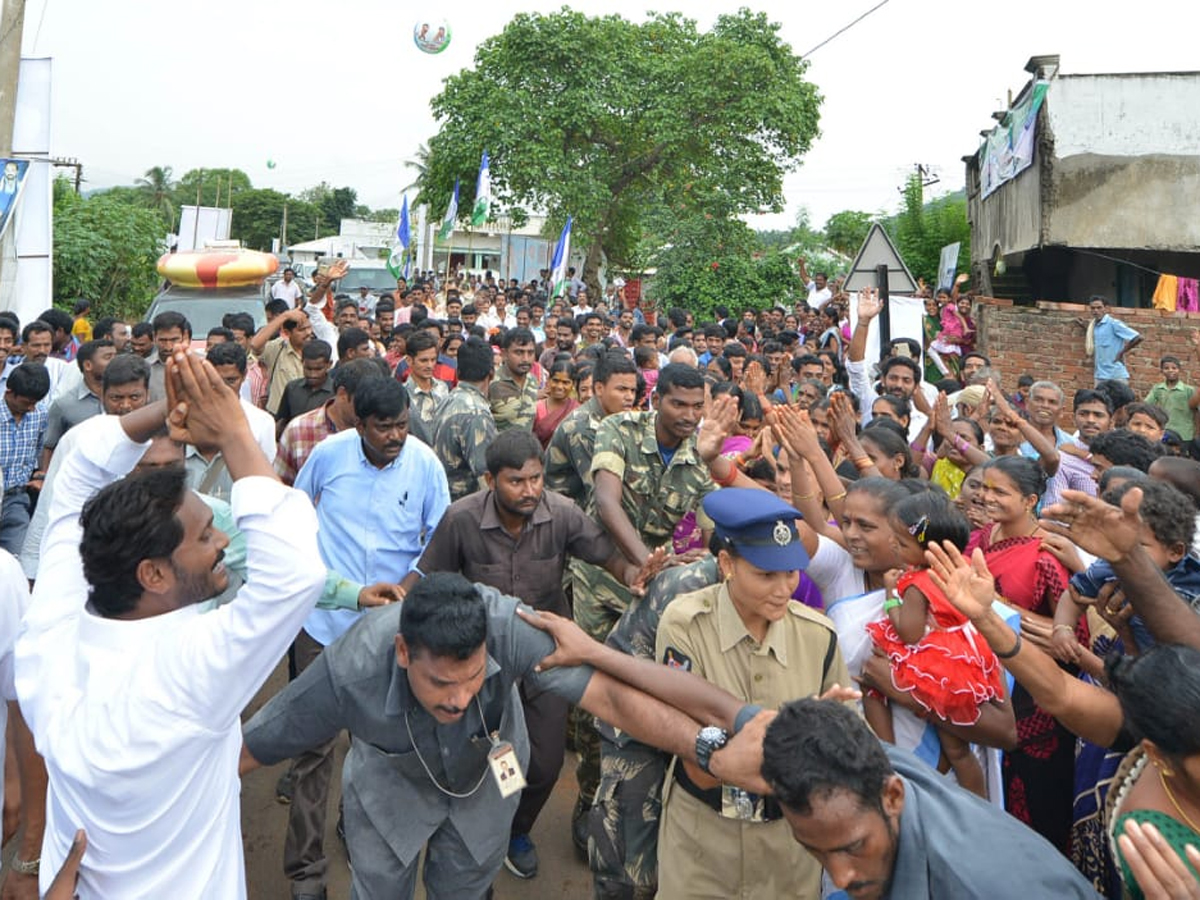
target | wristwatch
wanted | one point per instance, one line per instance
(709, 741)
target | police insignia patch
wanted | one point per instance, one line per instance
(677, 660)
(782, 534)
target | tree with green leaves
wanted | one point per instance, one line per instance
(709, 260)
(606, 120)
(845, 231)
(156, 188)
(105, 250)
(213, 186)
(922, 229)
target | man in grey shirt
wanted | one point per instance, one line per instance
(886, 826)
(82, 402)
(427, 691)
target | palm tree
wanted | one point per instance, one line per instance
(421, 163)
(156, 188)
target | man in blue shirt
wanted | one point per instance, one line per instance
(1108, 341)
(379, 496)
(22, 433)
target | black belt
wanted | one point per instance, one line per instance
(711, 797)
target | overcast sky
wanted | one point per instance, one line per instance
(338, 91)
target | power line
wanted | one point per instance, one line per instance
(38, 34)
(844, 29)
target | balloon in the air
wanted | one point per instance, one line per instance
(431, 37)
(270, 163)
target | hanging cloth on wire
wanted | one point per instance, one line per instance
(1166, 292)
(1188, 296)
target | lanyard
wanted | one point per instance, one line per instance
(421, 759)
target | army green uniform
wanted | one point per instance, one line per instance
(654, 496)
(707, 847)
(463, 430)
(424, 404)
(569, 456)
(568, 472)
(513, 401)
(623, 823)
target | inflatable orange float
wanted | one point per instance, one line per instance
(216, 268)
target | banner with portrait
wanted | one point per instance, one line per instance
(11, 182)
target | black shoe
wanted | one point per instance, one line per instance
(579, 827)
(522, 858)
(284, 788)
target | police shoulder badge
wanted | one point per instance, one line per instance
(674, 659)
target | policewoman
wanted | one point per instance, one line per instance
(746, 635)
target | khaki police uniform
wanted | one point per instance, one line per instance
(715, 843)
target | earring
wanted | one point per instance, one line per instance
(728, 577)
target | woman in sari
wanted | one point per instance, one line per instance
(558, 403)
(1038, 775)
(1157, 785)
(931, 325)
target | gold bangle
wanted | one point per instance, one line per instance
(1070, 628)
(862, 462)
(835, 497)
(804, 496)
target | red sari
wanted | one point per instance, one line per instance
(1039, 774)
(546, 420)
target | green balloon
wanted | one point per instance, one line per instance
(270, 163)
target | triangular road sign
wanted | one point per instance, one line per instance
(877, 250)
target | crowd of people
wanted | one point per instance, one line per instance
(814, 619)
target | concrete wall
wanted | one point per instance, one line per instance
(1010, 218)
(1125, 115)
(1094, 200)
(1043, 341)
(1117, 166)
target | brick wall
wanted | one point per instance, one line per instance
(1043, 341)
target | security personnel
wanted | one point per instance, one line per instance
(746, 635)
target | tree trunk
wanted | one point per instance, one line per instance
(591, 270)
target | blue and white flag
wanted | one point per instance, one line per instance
(558, 267)
(398, 260)
(483, 193)
(447, 228)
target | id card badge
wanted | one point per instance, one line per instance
(506, 769)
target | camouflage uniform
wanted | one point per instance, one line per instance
(425, 403)
(514, 403)
(463, 430)
(623, 823)
(654, 496)
(569, 456)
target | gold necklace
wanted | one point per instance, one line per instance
(1179, 809)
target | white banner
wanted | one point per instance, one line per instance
(33, 287)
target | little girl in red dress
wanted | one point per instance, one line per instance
(936, 655)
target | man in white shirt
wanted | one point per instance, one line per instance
(581, 307)
(141, 731)
(900, 376)
(14, 599)
(287, 288)
(366, 301)
(819, 292)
